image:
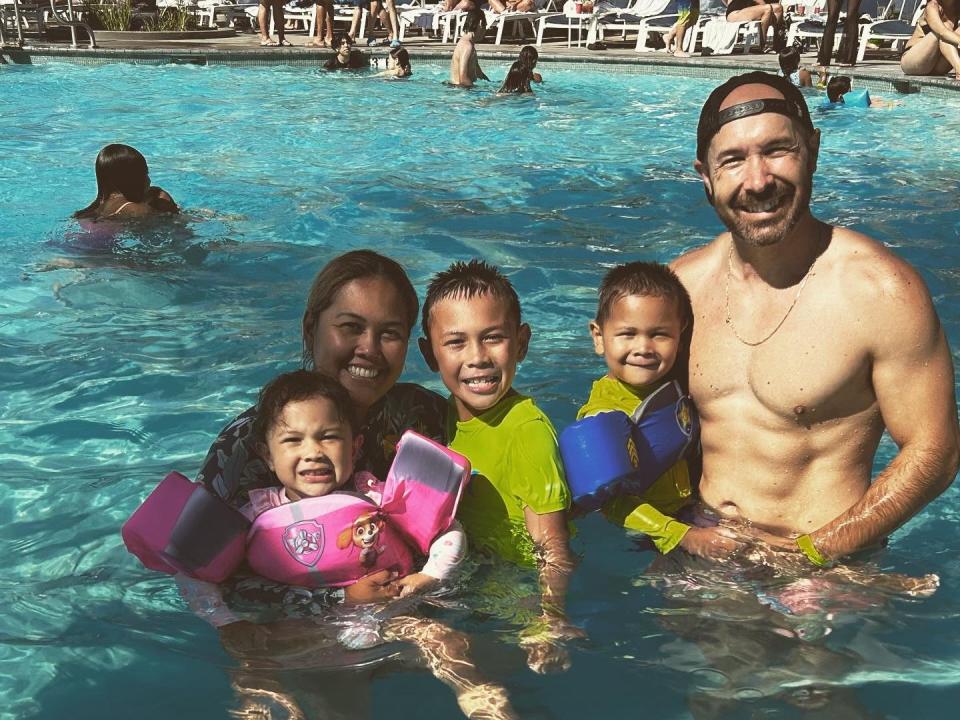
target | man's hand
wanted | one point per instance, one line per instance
(712, 542)
(375, 587)
(544, 644)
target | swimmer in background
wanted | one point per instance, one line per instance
(305, 431)
(521, 73)
(464, 66)
(790, 68)
(346, 58)
(123, 188)
(398, 64)
(642, 331)
(688, 12)
(840, 85)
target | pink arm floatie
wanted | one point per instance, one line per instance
(327, 541)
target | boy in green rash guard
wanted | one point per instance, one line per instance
(642, 330)
(516, 503)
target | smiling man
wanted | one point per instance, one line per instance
(809, 340)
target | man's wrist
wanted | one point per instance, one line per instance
(805, 543)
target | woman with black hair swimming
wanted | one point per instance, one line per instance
(521, 73)
(123, 188)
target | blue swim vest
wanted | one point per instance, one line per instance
(854, 98)
(611, 453)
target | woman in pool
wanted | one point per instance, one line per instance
(521, 73)
(933, 49)
(123, 188)
(398, 64)
(356, 328)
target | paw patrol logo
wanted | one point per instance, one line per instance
(685, 416)
(632, 451)
(304, 542)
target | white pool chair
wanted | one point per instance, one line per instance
(897, 30)
(630, 18)
(500, 20)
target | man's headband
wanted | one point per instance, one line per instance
(712, 118)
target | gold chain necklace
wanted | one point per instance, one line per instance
(726, 293)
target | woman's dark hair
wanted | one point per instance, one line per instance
(122, 169)
(528, 56)
(789, 60)
(837, 87)
(294, 387)
(353, 265)
(517, 79)
(403, 59)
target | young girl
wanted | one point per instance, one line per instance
(521, 73)
(398, 64)
(123, 188)
(305, 432)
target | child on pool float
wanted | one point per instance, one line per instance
(515, 506)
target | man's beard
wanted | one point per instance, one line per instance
(769, 233)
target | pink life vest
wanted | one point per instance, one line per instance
(336, 539)
(326, 541)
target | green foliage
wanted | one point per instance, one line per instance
(171, 19)
(112, 16)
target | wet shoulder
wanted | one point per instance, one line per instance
(695, 267)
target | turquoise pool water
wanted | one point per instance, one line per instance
(125, 365)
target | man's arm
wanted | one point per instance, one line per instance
(912, 377)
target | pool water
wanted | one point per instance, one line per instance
(122, 357)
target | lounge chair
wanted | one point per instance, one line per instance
(567, 20)
(629, 19)
(897, 30)
(500, 20)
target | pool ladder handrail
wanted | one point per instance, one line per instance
(58, 19)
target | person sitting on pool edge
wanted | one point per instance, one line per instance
(347, 58)
(464, 66)
(123, 187)
(515, 506)
(934, 48)
(642, 331)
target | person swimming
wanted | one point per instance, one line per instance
(521, 73)
(123, 188)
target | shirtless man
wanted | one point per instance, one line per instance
(933, 49)
(464, 67)
(808, 341)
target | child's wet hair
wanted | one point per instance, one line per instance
(402, 57)
(528, 56)
(789, 60)
(467, 280)
(517, 80)
(354, 265)
(648, 279)
(294, 387)
(122, 169)
(338, 39)
(837, 87)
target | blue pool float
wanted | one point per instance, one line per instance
(854, 98)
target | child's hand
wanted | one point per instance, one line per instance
(375, 587)
(416, 583)
(544, 644)
(711, 542)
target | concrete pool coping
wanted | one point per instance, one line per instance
(244, 49)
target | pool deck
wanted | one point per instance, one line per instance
(244, 49)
